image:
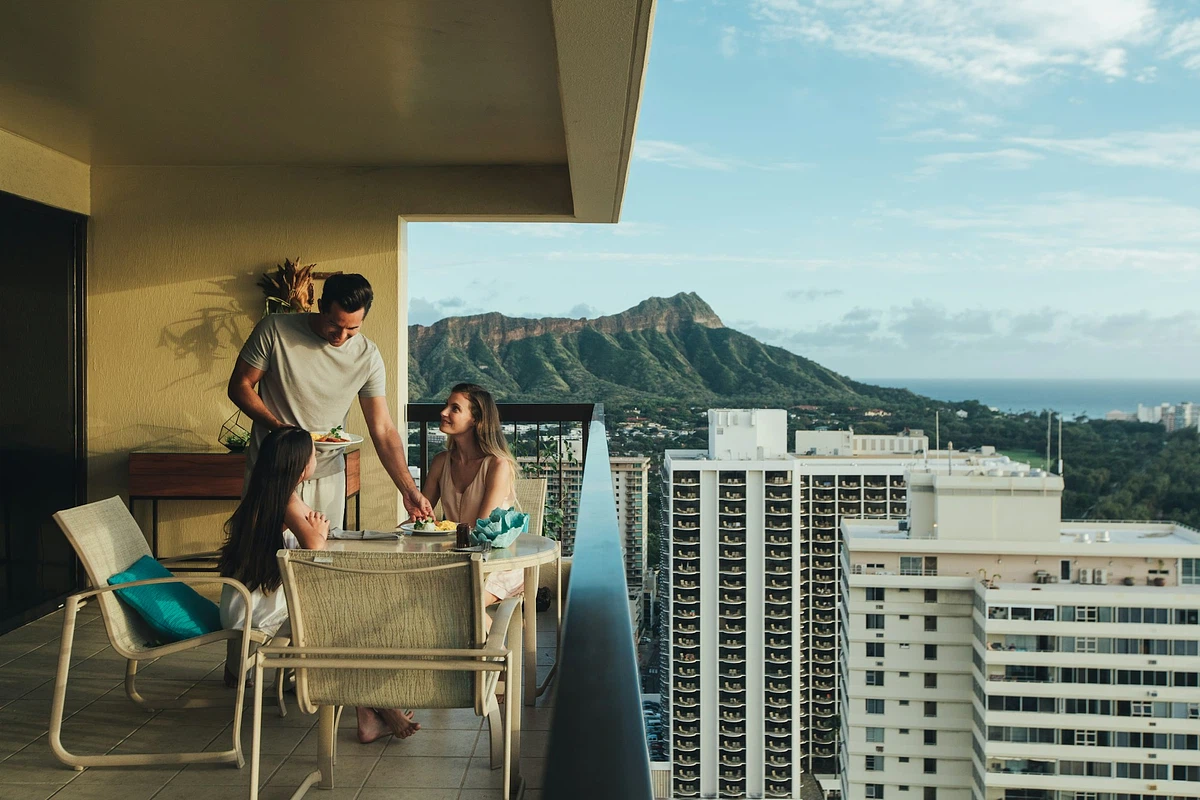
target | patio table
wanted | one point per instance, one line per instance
(527, 553)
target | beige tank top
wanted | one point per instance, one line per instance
(455, 503)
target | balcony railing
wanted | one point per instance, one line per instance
(598, 683)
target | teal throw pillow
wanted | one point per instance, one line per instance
(175, 611)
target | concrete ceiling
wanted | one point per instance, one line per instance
(363, 83)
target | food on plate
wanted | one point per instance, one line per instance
(335, 435)
(431, 525)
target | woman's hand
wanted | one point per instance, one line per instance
(319, 522)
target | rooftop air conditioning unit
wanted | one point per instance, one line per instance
(1085, 575)
(1100, 576)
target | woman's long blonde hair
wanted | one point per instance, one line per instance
(489, 436)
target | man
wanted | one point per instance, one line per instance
(308, 369)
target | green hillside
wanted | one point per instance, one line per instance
(674, 350)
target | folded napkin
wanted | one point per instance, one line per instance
(338, 533)
(501, 527)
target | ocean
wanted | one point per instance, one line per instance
(1071, 398)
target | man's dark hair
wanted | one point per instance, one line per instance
(351, 292)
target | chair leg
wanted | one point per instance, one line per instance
(510, 708)
(496, 730)
(256, 730)
(71, 610)
(326, 744)
(558, 609)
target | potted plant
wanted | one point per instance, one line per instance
(289, 288)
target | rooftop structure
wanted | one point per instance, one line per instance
(993, 653)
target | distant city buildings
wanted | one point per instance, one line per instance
(1172, 417)
(630, 481)
(998, 653)
(750, 586)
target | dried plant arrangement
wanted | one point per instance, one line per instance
(289, 288)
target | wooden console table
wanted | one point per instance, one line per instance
(211, 475)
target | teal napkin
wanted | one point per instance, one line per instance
(501, 527)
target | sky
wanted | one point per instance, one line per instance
(893, 188)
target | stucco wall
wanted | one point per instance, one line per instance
(174, 253)
(35, 172)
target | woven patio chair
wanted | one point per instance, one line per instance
(108, 540)
(390, 630)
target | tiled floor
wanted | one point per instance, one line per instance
(446, 760)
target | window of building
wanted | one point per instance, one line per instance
(875, 735)
(1064, 570)
(931, 596)
(931, 652)
(874, 705)
(931, 623)
(930, 793)
(930, 736)
(874, 763)
(904, 731)
(930, 680)
(873, 791)
(875, 649)
(911, 565)
(1189, 571)
(903, 702)
(874, 621)
(874, 594)
(874, 677)
(930, 708)
(931, 766)
(903, 759)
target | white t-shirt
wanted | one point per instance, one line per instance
(308, 382)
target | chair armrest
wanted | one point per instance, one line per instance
(212, 555)
(499, 630)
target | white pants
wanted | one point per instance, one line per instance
(327, 495)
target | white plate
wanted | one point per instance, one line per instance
(410, 529)
(353, 439)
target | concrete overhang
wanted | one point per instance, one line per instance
(534, 101)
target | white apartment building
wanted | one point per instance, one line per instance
(630, 479)
(995, 652)
(750, 547)
(733, 697)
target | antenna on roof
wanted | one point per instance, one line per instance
(1049, 422)
(1060, 453)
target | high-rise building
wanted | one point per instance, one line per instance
(750, 545)
(731, 693)
(995, 652)
(630, 479)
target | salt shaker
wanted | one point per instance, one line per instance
(462, 535)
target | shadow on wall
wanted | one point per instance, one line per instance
(216, 330)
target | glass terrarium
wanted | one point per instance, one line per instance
(235, 435)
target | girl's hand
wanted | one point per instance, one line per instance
(319, 522)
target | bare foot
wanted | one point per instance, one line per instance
(401, 722)
(371, 726)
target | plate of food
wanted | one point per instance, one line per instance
(334, 438)
(429, 527)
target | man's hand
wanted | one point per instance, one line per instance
(416, 504)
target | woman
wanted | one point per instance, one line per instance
(272, 517)
(476, 473)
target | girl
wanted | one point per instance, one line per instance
(476, 473)
(272, 517)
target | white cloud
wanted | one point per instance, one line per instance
(940, 135)
(984, 42)
(1007, 158)
(1184, 42)
(682, 156)
(1165, 149)
(1078, 232)
(728, 46)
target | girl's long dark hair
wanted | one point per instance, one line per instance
(255, 530)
